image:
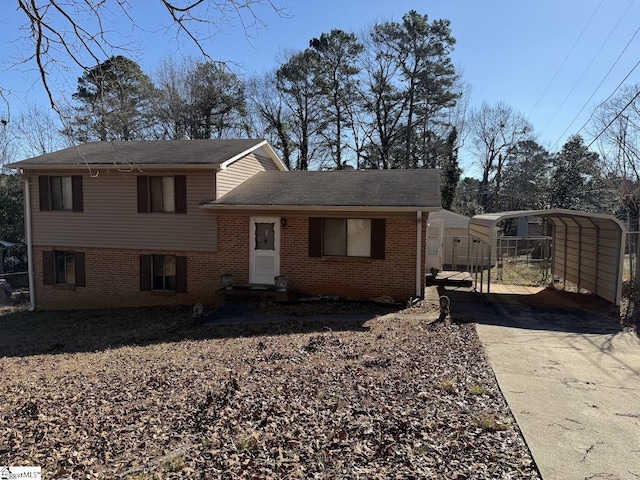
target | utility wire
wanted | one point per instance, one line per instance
(614, 119)
(601, 103)
(566, 58)
(584, 72)
(598, 87)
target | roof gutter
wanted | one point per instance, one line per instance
(134, 168)
(27, 225)
(319, 208)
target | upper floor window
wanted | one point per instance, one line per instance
(61, 192)
(158, 193)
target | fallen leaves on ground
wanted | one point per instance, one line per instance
(390, 398)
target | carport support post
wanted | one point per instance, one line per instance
(489, 271)
(474, 270)
(564, 267)
(419, 276)
(482, 268)
(596, 267)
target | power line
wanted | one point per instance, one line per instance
(598, 87)
(601, 103)
(614, 119)
(566, 58)
(584, 72)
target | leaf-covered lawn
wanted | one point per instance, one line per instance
(388, 398)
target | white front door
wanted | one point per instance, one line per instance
(264, 250)
(435, 231)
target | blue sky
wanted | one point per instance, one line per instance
(545, 58)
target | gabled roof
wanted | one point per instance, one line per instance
(359, 189)
(159, 153)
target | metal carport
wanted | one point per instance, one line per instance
(587, 249)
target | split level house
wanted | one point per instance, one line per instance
(114, 224)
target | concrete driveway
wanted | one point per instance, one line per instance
(571, 377)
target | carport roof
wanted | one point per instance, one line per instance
(490, 220)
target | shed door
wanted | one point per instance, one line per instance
(435, 238)
(264, 250)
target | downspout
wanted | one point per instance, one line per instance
(419, 290)
(27, 226)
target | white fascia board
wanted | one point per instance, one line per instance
(264, 145)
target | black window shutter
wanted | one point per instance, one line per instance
(180, 193)
(47, 267)
(44, 192)
(145, 272)
(181, 274)
(76, 191)
(378, 227)
(80, 275)
(143, 195)
(315, 237)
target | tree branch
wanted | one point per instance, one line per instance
(58, 30)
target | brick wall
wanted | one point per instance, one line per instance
(233, 249)
(352, 277)
(112, 275)
(113, 280)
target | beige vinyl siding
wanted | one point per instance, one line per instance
(111, 220)
(241, 170)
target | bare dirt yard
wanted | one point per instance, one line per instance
(149, 394)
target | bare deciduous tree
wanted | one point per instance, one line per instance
(271, 118)
(494, 130)
(79, 31)
(39, 131)
(617, 123)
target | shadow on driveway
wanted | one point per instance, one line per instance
(544, 310)
(570, 374)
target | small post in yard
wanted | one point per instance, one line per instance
(445, 310)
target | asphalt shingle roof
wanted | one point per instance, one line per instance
(156, 152)
(338, 188)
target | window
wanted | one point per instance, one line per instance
(62, 267)
(61, 193)
(65, 268)
(347, 237)
(342, 237)
(265, 236)
(163, 194)
(163, 273)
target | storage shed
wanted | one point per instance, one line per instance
(453, 229)
(587, 249)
